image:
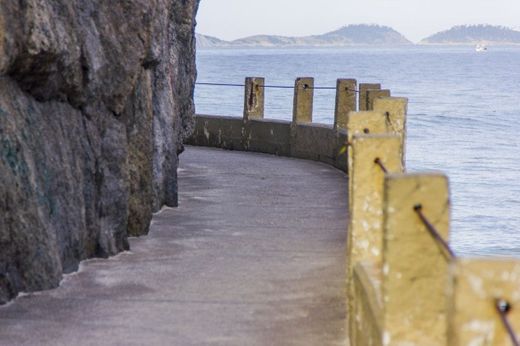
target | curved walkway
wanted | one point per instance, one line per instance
(254, 255)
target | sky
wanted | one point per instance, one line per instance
(416, 19)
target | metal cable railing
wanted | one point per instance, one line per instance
(271, 86)
(220, 84)
(502, 306)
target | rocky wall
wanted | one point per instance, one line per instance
(96, 98)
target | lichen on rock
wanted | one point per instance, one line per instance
(96, 98)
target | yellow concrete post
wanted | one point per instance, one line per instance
(303, 100)
(475, 285)
(345, 101)
(365, 234)
(395, 109)
(254, 98)
(372, 95)
(415, 269)
(363, 88)
(367, 123)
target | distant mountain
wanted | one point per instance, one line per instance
(474, 34)
(351, 35)
(365, 35)
(204, 41)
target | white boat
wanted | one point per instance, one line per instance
(480, 48)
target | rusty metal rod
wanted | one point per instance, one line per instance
(503, 308)
(353, 90)
(380, 163)
(433, 231)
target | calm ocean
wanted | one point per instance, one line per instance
(464, 118)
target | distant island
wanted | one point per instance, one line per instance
(475, 34)
(351, 35)
(371, 36)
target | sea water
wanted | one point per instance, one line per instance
(464, 118)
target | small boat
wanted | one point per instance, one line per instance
(480, 48)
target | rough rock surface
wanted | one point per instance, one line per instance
(95, 101)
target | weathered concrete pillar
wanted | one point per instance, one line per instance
(303, 100)
(365, 232)
(366, 218)
(365, 123)
(363, 88)
(415, 269)
(395, 110)
(475, 285)
(345, 101)
(254, 98)
(372, 95)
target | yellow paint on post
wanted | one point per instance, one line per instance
(395, 110)
(372, 95)
(474, 286)
(254, 98)
(303, 100)
(363, 88)
(345, 101)
(415, 269)
(365, 234)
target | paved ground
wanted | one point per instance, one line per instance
(253, 256)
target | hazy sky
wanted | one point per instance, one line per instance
(416, 19)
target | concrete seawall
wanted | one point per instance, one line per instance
(316, 142)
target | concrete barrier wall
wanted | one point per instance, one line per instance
(404, 284)
(268, 136)
(218, 132)
(308, 141)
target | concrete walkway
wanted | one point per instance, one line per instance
(253, 256)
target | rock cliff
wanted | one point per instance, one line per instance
(96, 98)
